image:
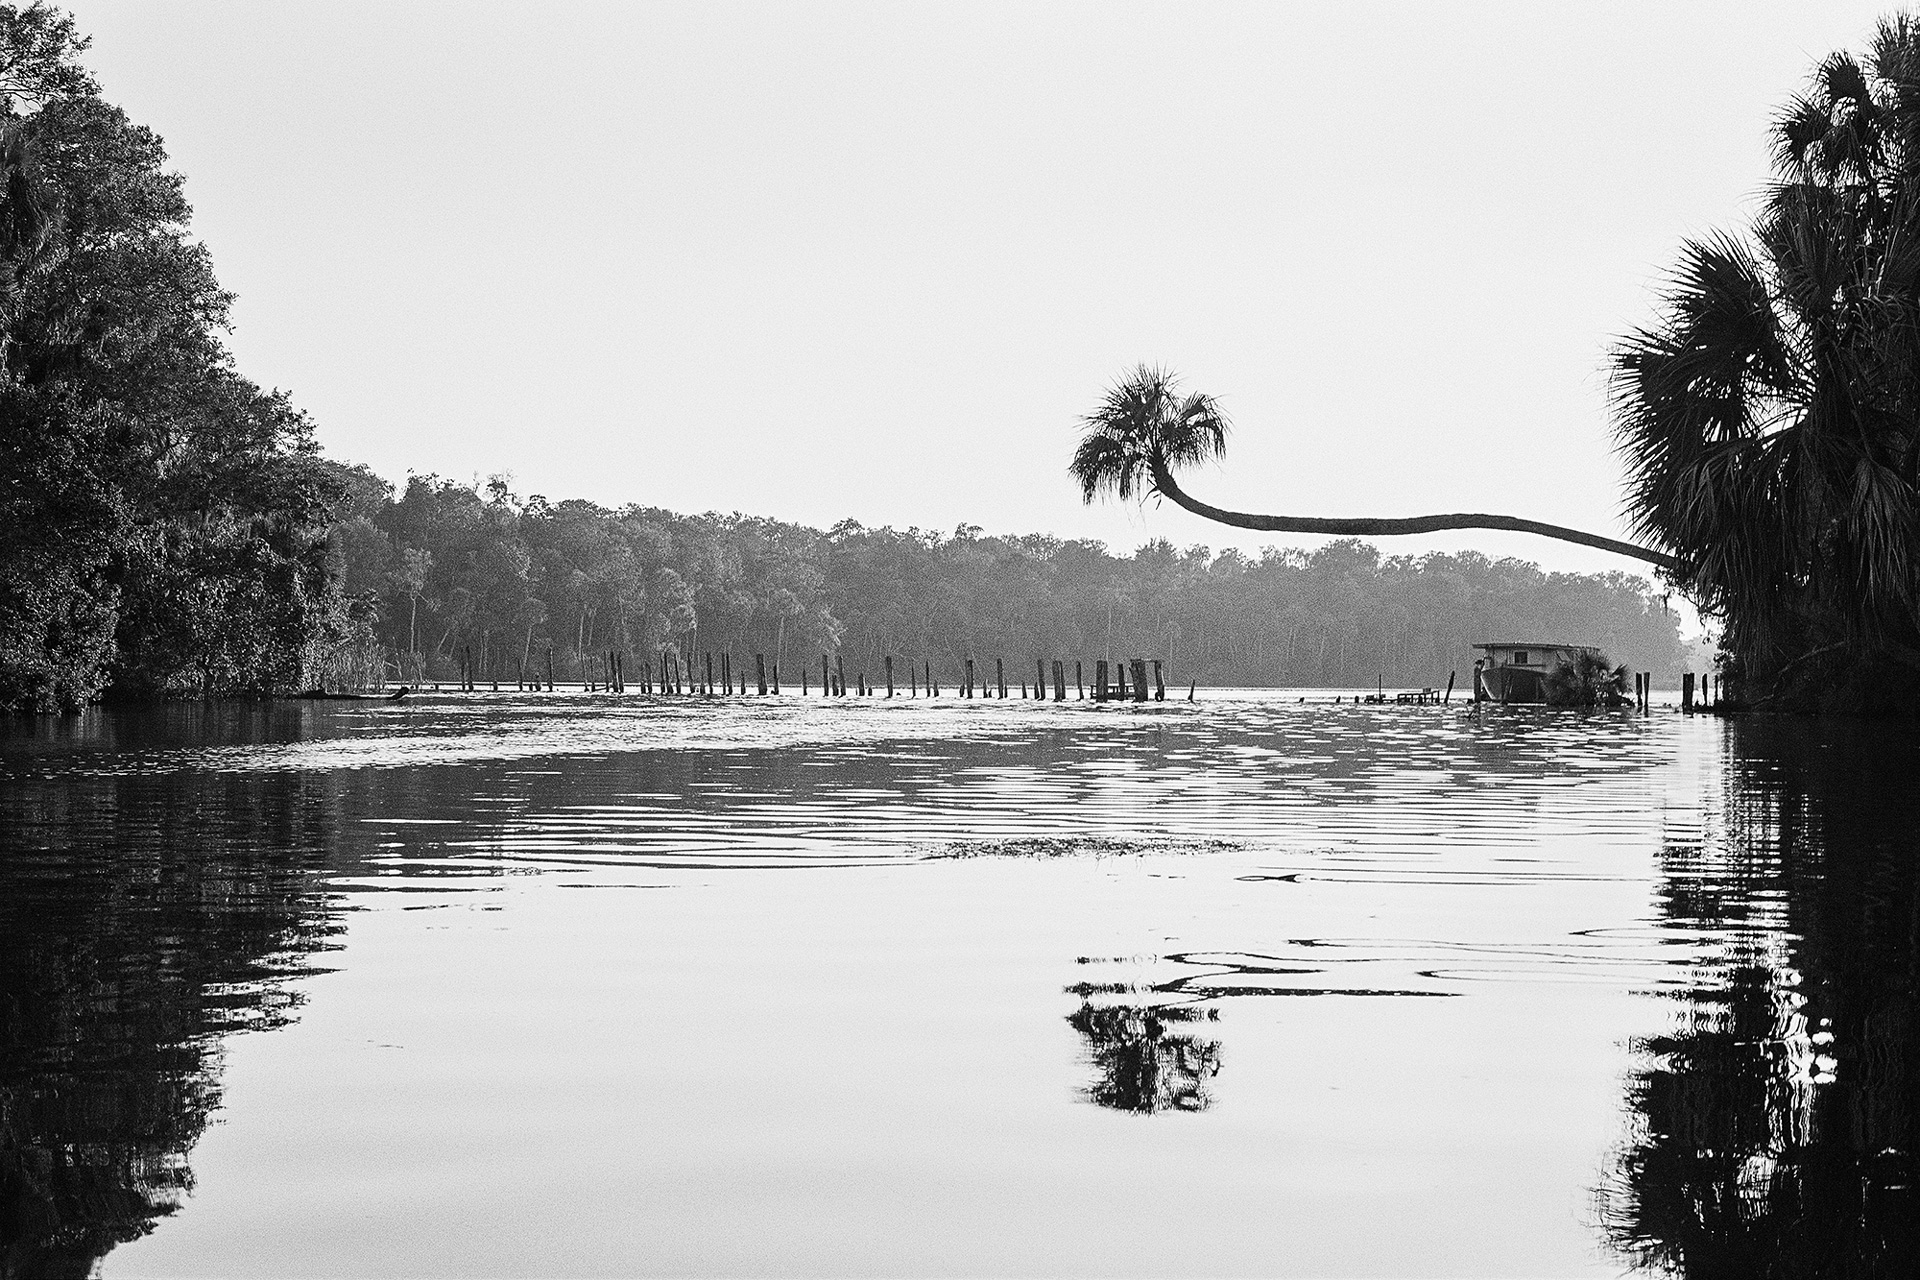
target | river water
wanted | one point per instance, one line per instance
(574, 984)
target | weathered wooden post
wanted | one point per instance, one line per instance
(1449, 694)
(1159, 683)
(1686, 693)
(726, 674)
(1190, 688)
(889, 675)
(1000, 675)
(826, 686)
(840, 671)
(1079, 685)
(1099, 679)
(1059, 680)
(776, 675)
(549, 668)
(1139, 680)
(760, 673)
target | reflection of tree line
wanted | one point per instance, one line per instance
(140, 920)
(1775, 1126)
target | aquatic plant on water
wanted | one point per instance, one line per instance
(1587, 679)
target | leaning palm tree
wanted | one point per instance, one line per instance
(1144, 431)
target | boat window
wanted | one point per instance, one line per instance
(1520, 657)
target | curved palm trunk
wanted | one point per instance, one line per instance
(1367, 527)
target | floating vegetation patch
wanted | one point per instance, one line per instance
(1073, 847)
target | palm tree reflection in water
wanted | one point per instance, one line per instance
(1147, 1058)
(1774, 1130)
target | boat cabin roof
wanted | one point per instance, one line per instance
(1531, 644)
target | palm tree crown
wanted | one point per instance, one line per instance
(1144, 422)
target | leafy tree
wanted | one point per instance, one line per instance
(166, 519)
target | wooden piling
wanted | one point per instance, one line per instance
(1000, 675)
(1686, 693)
(726, 674)
(1159, 683)
(1190, 688)
(776, 676)
(760, 672)
(1079, 685)
(826, 686)
(1139, 679)
(1099, 679)
(889, 675)
(840, 674)
(1059, 680)
(549, 668)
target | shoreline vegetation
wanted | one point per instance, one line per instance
(169, 529)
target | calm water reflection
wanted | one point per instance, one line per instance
(585, 985)
(1774, 1124)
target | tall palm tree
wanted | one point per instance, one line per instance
(1144, 430)
(1771, 417)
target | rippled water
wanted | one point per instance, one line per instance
(517, 984)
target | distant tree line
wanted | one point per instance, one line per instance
(443, 569)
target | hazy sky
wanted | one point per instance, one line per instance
(873, 261)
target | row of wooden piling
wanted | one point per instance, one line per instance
(676, 675)
(1705, 701)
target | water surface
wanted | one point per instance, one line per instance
(577, 984)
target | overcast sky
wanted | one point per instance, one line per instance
(873, 261)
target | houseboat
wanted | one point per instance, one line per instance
(1518, 672)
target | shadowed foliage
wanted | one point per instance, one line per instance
(1767, 417)
(163, 521)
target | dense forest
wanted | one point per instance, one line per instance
(164, 522)
(168, 528)
(443, 569)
